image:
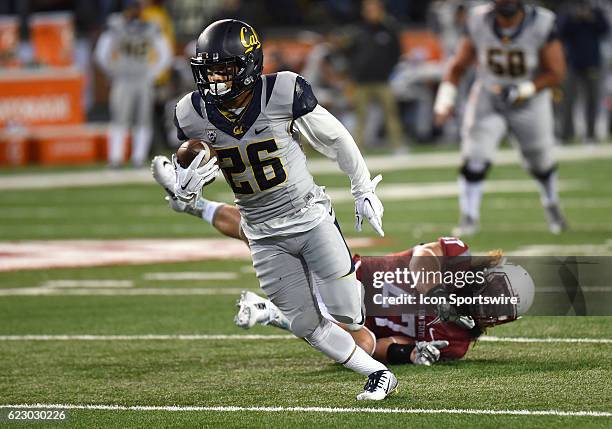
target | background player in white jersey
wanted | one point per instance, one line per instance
(254, 123)
(133, 53)
(518, 58)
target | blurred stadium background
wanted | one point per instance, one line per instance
(89, 250)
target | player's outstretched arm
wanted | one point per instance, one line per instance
(328, 136)
(400, 349)
(552, 73)
(103, 53)
(163, 56)
(552, 66)
(426, 258)
(447, 92)
(223, 217)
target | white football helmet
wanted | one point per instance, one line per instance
(509, 280)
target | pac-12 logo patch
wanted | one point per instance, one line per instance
(212, 135)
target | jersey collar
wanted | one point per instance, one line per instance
(246, 119)
(528, 17)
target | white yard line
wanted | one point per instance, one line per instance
(87, 283)
(328, 410)
(40, 291)
(45, 254)
(545, 340)
(604, 249)
(209, 337)
(435, 190)
(186, 337)
(191, 275)
(378, 163)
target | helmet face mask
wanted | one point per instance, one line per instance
(228, 61)
(507, 280)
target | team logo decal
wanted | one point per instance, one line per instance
(249, 41)
(212, 135)
(238, 129)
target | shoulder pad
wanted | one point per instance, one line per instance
(190, 117)
(545, 24)
(115, 21)
(290, 97)
(475, 16)
(304, 100)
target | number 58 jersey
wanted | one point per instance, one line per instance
(512, 56)
(260, 158)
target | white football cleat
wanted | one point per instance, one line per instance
(163, 173)
(467, 226)
(380, 384)
(556, 222)
(252, 309)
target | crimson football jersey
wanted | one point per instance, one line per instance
(412, 325)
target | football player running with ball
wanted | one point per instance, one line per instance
(519, 58)
(254, 123)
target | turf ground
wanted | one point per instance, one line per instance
(118, 344)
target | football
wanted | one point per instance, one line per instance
(187, 152)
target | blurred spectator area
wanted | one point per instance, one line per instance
(47, 77)
(49, 88)
(291, 52)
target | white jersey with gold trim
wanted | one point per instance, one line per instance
(512, 56)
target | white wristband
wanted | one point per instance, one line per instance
(209, 209)
(526, 90)
(445, 99)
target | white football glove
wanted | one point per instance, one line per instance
(190, 180)
(428, 352)
(515, 93)
(368, 206)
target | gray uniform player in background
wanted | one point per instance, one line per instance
(255, 123)
(132, 53)
(519, 58)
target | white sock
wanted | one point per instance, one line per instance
(337, 344)
(363, 363)
(470, 196)
(549, 194)
(116, 144)
(141, 141)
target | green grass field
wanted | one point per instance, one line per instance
(277, 371)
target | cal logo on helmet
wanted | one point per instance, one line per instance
(249, 41)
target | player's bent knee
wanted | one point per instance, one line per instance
(365, 339)
(318, 335)
(543, 174)
(475, 171)
(304, 325)
(355, 327)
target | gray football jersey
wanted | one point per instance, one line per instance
(506, 58)
(133, 43)
(260, 158)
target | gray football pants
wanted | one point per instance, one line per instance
(285, 267)
(485, 123)
(131, 102)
